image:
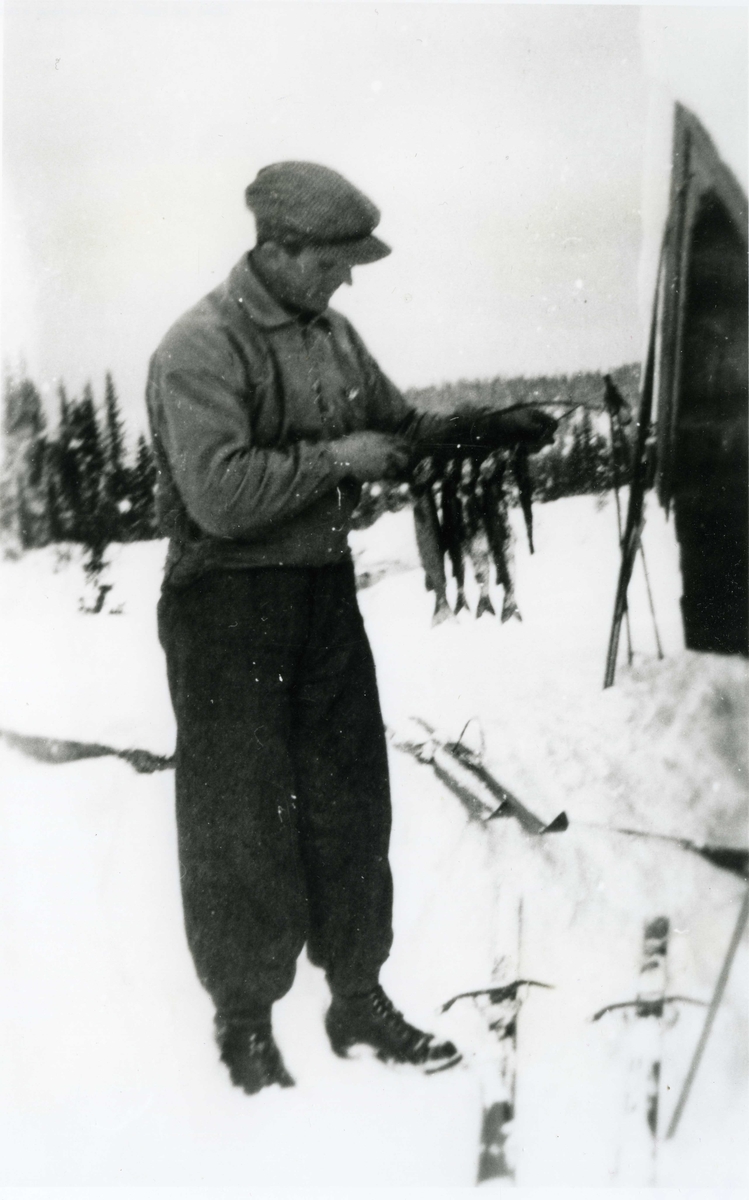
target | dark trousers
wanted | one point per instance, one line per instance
(282, 791)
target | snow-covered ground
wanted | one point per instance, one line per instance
(109, 1071)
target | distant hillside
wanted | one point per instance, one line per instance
(585, 387)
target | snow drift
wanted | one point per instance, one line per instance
(110, 1075)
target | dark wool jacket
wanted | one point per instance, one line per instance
(243, 398)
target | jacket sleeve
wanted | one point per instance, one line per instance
(230, 487)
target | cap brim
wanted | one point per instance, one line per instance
(358, 251)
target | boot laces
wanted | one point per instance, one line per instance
(407, 1036)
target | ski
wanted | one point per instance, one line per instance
(729, 858)
(509, 805)
(650, 1003)
(464, 773)
(477, 801)
(496, 1160)
(644, 1052)
(500, 1006)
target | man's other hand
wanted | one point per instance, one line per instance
(368, 455)
(486, 429)
(530, 425)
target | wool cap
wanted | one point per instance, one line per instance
(302, 202)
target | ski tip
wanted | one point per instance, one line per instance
(558, 825)
(730, 859)
(435, 1069)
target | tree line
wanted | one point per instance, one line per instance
(78, 483)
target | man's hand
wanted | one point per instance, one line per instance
(483, 430)
(368, 455)
(530, 425)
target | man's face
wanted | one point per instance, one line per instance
(307, 278)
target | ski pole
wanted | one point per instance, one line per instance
(729, 858)
(615, 471)
(637, 487)
(650, 601)
(720, 987)
(613, 402)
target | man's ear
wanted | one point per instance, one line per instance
(267, 250)
(276, 254)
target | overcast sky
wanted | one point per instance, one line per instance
(504, 145)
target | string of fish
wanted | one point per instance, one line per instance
(461, 512)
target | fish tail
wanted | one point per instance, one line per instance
(510, 608)
(461, 601)
(484, 606)
(442, 611)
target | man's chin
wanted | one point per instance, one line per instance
(314, 308)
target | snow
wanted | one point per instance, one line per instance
(110, 1074)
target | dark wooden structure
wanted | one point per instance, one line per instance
(701, 399)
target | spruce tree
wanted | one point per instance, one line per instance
(55, 508)
(24, 488)
(115, 481)
(587, 454)
(142, 493)
(9, 523)
(86, 446)
(587, 465)
(65, 470)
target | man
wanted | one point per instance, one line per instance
(267, 415)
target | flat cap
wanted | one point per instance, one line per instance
(309, 204)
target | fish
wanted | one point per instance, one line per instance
(499, 535)
(478, 549)
(452, 527)
(476, 539)
(460, 510)
(521, 471)
(429, 538)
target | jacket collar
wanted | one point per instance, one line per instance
(247, 290)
